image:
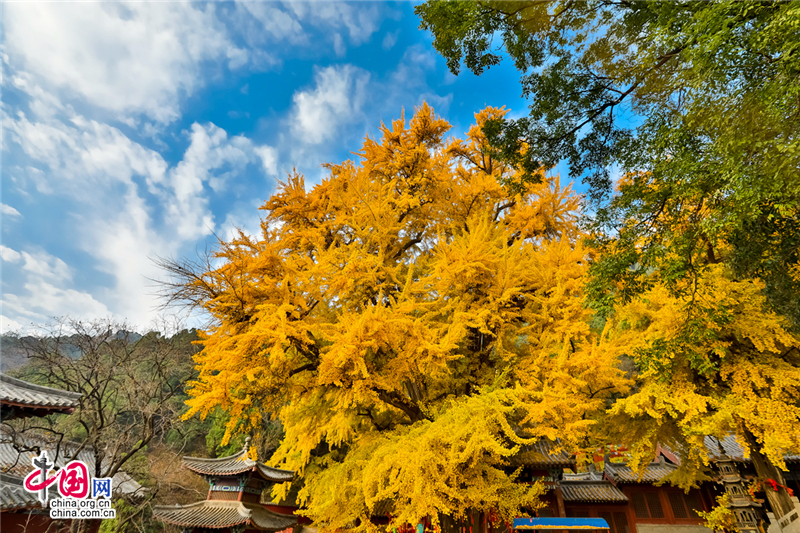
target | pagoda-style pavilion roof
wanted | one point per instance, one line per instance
(20, 398)
(220, 514)
(236, 464)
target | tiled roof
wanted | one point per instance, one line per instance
(729, 446)
(14, 496)
(221, 514)
(543, 454)
(591, 492)
(15, 463)
(236, 464)
(651, 473)
(583, 476)
(734, 450)
(16, 392)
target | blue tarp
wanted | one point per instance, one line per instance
(560, 523)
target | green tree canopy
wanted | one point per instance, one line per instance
(698, 102)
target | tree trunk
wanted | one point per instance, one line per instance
(779, 500)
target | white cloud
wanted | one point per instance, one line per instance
(345, 102)
(338, 45)
(8, 255)
(124, 246)
(42, 301)
(211, 157)
(292, 22)
(85, 153)
(247, 219)
(7, 325)
(42, 294)
(389, 40)
(45, 266)
(42, 103)
(39, 264)
(336, 100)
(361, 20)
(412, 68)
(93, 167)
(274, 22)
(441, 104)
(127, 58)
(269, 159)
(103, 176)
(9, 211)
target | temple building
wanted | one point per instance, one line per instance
(628, 502)
(20, 399)
(20, 510)
(641, 502)
(233, 505)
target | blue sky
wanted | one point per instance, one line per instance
(137, 130)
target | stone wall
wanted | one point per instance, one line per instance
(671, 528)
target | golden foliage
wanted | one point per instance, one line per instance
(712, 362)
(413, 324)
(720, 518)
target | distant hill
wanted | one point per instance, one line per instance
(13, 356)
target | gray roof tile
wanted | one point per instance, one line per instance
(584, 476)
(18, 464)
(544, 454)
(21, 393)
(14, 496)
(651, 473)
(734, 450)
(236, 464)
(221, 514)
(591, 492)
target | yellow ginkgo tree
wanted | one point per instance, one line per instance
(413, 323)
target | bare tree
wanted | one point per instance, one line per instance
(130, 385)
